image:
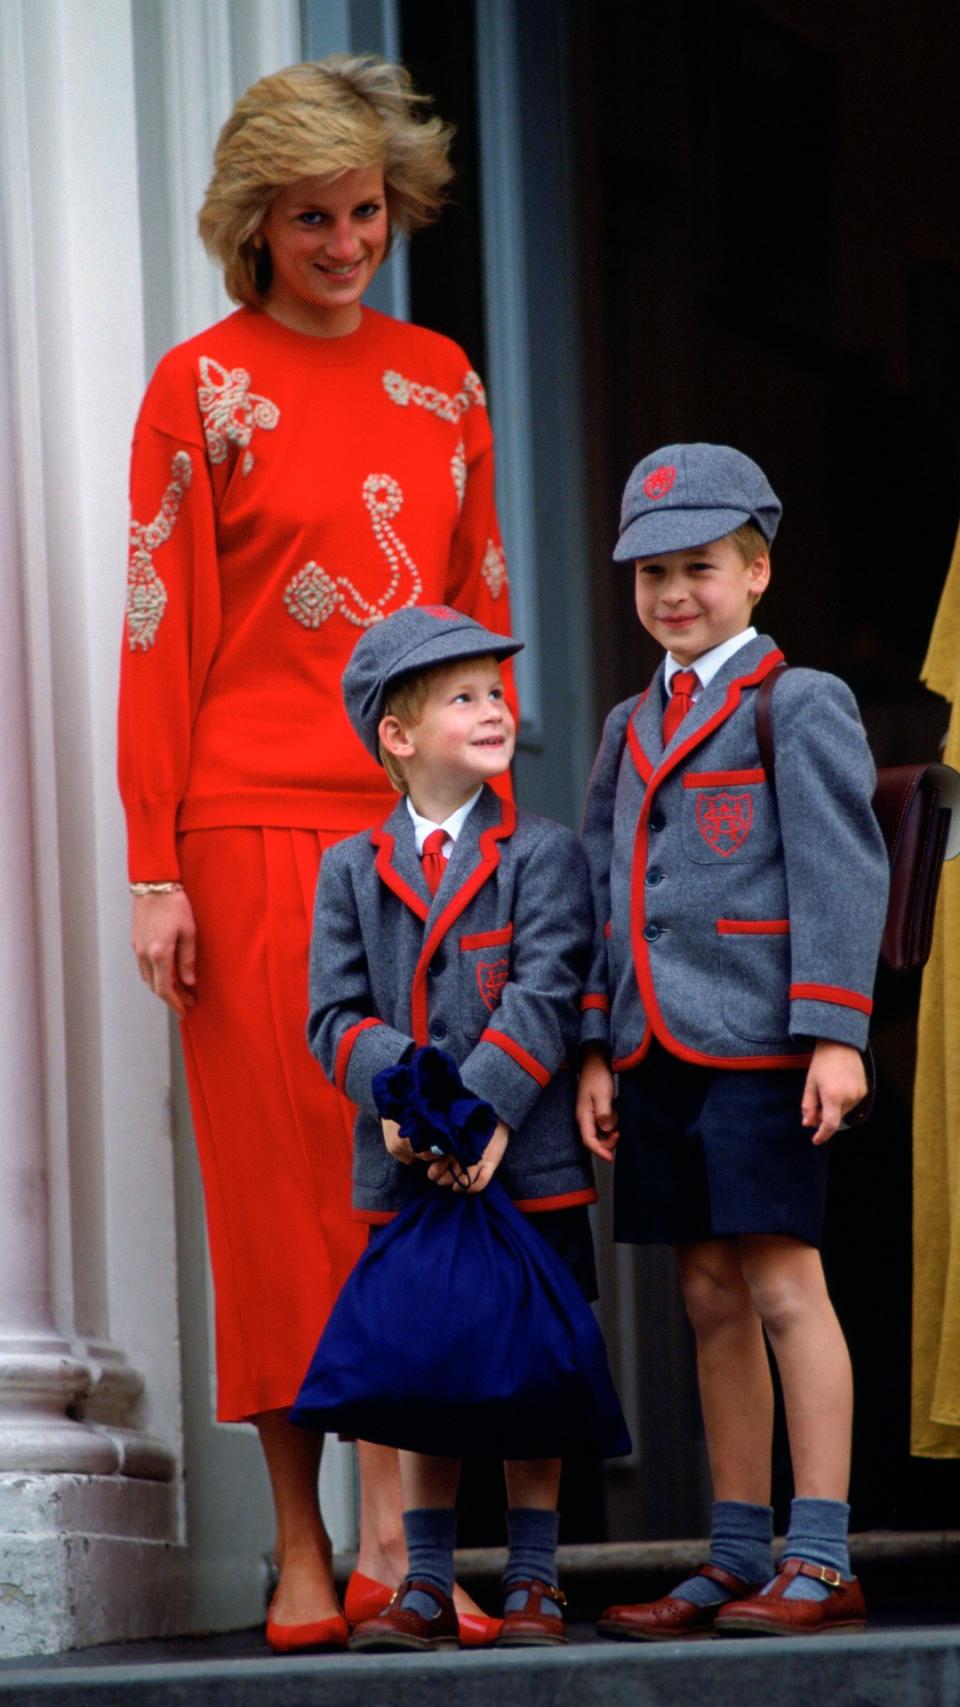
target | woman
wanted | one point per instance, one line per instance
(300, 470)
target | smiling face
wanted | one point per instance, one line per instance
(327, 237)
(464, 736)
(691, 601)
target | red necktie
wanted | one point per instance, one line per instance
(680, 701)
(434, 864)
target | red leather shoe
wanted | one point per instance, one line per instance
(670, 1619)
(395, 1631)
(842, 1613)
(477, 1630)
(366, 1598)
(530, 1626)
(326, 1635)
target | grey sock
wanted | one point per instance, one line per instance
(741, 1541)
(533, 1553)
(430, 1535)
(818, 1535)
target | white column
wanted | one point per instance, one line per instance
(88, 1509)
(39, 1376)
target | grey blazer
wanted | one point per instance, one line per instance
(491, 969)
(734, 925)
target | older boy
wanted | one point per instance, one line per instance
(732, 996)
(464, 923)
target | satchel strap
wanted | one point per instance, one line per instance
(764, 712)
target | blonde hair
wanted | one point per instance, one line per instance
(749, 542)
(405, 700)
(319, 119)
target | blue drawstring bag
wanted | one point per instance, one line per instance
(460, 1331)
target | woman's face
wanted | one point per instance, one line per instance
(327, 237)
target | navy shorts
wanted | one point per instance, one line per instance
(709, 1152)
(568, 1232)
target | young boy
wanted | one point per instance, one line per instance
(732, 997)
(467, 924)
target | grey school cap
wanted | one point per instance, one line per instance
(686, 495)
(411, 639)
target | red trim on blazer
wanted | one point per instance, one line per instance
(753, 927)
(595, 1001)
(624, 1064)
(722, 779)
(831, 993)
(490, 859)
(517, 1053)
(639, 757)
(345, 1050)
(564, 1200)
(608, 929)
(734, 696)
(488, 939)
(385, 843)
(527, 1206)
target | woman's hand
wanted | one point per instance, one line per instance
(836, 1082)
(477, 1177)
(165, 944)
(596, 1109)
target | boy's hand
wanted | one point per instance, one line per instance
(596, 1109)
(400, 1148)
(836, 1082)
(478, 1177)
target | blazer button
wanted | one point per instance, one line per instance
(437, 964)
(437, 1028)
(657, 821)
(654, 876)
(651, 932)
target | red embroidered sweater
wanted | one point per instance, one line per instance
(286, 492)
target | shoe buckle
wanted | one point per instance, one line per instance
(828, 1575)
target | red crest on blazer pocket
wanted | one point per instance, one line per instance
(491, 977)
(724, 821)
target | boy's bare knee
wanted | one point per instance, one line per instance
(714, 1293)
(785, 1283)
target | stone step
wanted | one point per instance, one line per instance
(887, 1669)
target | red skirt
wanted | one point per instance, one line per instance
(274, 1137)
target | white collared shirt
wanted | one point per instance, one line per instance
(708, 663)
(422, 827)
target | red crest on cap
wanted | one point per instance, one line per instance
(442, 611)
(658, 484)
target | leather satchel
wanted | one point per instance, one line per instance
(917, 810)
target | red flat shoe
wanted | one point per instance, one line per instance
(477, 1630)
(325, 1635)
(365, 1598)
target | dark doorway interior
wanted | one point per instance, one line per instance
(771, 258)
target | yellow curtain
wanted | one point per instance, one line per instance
(935, 1409)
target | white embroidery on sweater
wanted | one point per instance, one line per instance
(312, 595)
(146, 593)
(404, 391)
(231, 411)
(458, 468)
(494, 569)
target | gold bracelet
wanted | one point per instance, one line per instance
(169, 888)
